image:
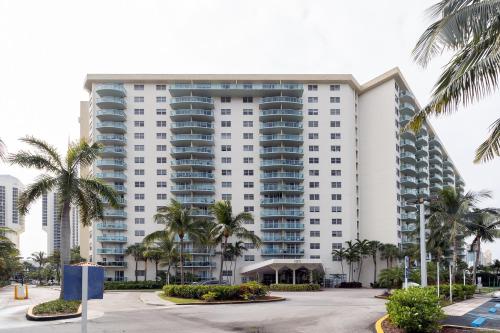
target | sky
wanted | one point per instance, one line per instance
(47, 47)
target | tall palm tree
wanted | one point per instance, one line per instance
(55, 259)
(342, 255)
(470, 30)
(229, 225)
(438, 242)
(389, 252)
(451, 208)
(154, 254)
(62, 176)
(41, 259)
(178, 221)
(238, 248)
(352, 256)
(136, 252)
(209, 238)
(373, 249)
(4, 231)
(363, 250)
(483, 226)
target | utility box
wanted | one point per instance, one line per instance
(73, 282)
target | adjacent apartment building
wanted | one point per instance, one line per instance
(317, 159)
(10, 189)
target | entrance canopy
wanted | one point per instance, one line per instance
(275, 265)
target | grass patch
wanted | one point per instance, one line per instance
(178, 300)
(57, 306)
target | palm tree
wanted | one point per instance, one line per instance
(178, 222)
(352, 256)
(41, 259)
(238, 249)
(389, 252)
(363, 250)
(209, 238)
(154, 254)
(135, 250)
(373, 248)
(61, 176)
(438, 243)
(342, 255)
(75, 255)
(229, 225)
(55, 259)
(483, 226)
(470, 30)
(452, 209)
(4, 231)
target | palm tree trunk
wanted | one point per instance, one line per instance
(156, 270)
(360, 266)
(455, 250)
(223, 250)
(476, 261)
(375, 269)
(168, 271)
(65, 241)
(180, 258)
(145, 269)
(342, 266)
(136, 261)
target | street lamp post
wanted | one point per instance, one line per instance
(423, 250)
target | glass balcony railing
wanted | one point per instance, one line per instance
(192, 124)
(281, 188)
(281, 113)
(281, 175)
(408, 156)
(193, 175)
(280, 238)
(192, 137)
(436, 177)
(199, 264)
(111, 126)
(406, 144)
(111, 175)
(423, 192)
(110, 89)
(281, 212)
(200, 213)
(121, 201)
(193, 162)
(112, 263)
(409, 192)
(404, 119)
(435, 167)
(409, 216)
(406, 107)
(281, 124)
(194, 101)
(111, 250)
(283, 163)
(111, 226)
(281, 137)
(196, 200)
(287, 100)
(237, 86)
(192, 150)
(282, 150)
(408, 228)
(108, 102)
(408, 180)
(113, 151)
(115, 213)
(282, 201)
(111, 163)
(111, 114)
(119, 188)
(113, 139)
(281, 252)
(192, 188)
(408, 168)
(406, 95)
(279, 226)
(112, 238)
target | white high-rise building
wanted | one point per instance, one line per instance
(51, 223)
(10, 189)
(317, 159)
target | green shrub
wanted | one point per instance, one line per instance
(209, 297)
(294, 287)
(56, 307)
(122, 285)
(460, 292)
(415, 310)
(243, 291)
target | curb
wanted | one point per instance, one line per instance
(378, 324)
(277, 299)
(476, 329)
(31, 316)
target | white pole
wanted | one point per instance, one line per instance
(437, 278)
(451, 289)
(423, 254)
(464, 277)
(85, 284)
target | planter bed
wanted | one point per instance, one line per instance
(54, 310)
(193, 301)
(389, 328)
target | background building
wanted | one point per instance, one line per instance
(317, 159)
(10, 189)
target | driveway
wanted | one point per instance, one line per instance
(337, 310)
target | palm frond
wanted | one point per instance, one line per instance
(82, 154)
(156, 236)
(491, 146)
(45, 148)
(99, 188)
(42, 184)
(31, 160)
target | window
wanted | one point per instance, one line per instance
(336, 184)
(138, 123)
(141, 272)
(336, 209)
(226, 184)
(334, 123)
(139, 220)
(314, 221)
(336, 246)
(313, 160)
(335, 136)
(225, 99)
(247, 160)
(314, 246)
(313, 184)
(139, 233)
(248, 196)
(161, 160)
(161, 184)
(139, 209)
(226, 172)
(139, 172)
(248, 172)
(312, 112)
(161, 99)
(336, 233)
(227, 196)
(161, 112)
(312, 123)
(247, 147)
(312, 87)
(314, 256)
(335, 148)
(336, 196)
(161, 196)
(334, 99)
(336, 221)
(161, 123)
(138, 147)
(161, 147)
(336, 173)
(225, 112)
(247, 123)
(138, 159)
(335, 160)
(225, 136)
(313, 136)
(312, 99)
(314, 233)
(313, 148)
(247, 135)
(139, 196)
(225, 123)
(227, 273)
(248, 184)
(161, 135)
(139, 111)
(335, 112)
(248, 209)
(334, 87)
(138, 87)
(248, 99)
(314, 209)
(313, 172)
(161, 172)
(161, 87)
(313, 196)
(226, 160)
(225, 148)
(247, 112)
(249, 257)
(138, 136)
(139, 99)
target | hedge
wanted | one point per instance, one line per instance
(245, 291)
(294, 287)
(350, 285)
(57, 306)
(459, 290)
(122, 285)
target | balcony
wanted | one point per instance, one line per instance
(436, 187)
(192, 151)
(192, 188)
(408, 207)
(289, 164)
(423, 171)
(290, 201)
(423, 192)
(277, 126)
(112, 263)
(196, 200)
(111, 139)
(186, 176)
(408, 228)
(409, 193)
(198, 250)
(278, 151)
(115, 213)
(112, 239)
(113, 152)
(111, 250)
(279, 114)
(205, 213)
(188, 114)
(436, 168)
(422, 162)
(111, 127)
(408, 169)
(409, 240)
(448, 170)
(436, 159)
(404, 119)
(188, 163)
(199, 264)
(271, 176)
(422, 140)
(423, 182)
(111, 176)
(435, 149)
(459, 181)
(408, 145)
(282, 138)
(406, 108)
(236, 89)
(187, 126)
(436, 177)
(194, 102)
(409, 181)
(285, 102)
(449, 178)
(281, 252)
(111, 115)
(409, 216)
(283, 239)
(110, 89)
(119, 188)
(111, 102)
(111, 164)
(121, 201)
(282, 188)
(111, 226)
(197, 139)
(281, 226)
(281, 213)
(407, 157)
(406, 96)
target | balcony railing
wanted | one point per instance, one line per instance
(111, 226)
(280, 225)
(109, 238)
(273, 251)
(282, 150)
(281, 188)
(114, 89)
(281, 175)
(111, 250)
(281, 113)
(112, 263)
(281, 212)
(282, 201)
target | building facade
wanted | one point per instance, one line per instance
(317, 159)
(10, 189)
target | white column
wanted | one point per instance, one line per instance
(293, 270)
(277, 275)
(423, 252)
(85, 284)
(310, 276)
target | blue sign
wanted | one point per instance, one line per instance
(73, 282)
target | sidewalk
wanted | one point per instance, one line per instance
(461, 308)
(152, 298)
